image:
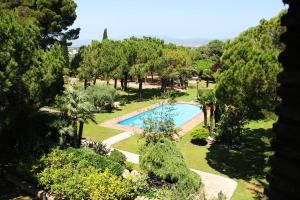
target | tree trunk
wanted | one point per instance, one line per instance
(80, 134)
(152, 76)
(107, 82)
(74, 138)
(140, 80)
(85, 83)
(122, 84)
(217, 114)
(163, 85)
(181, 82)
(126, 81)
(211, 117)
(95, 81)
(207, 82)
(172, 83)
(205, 115)
(116, 83)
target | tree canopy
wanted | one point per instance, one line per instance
(29, 77)
(53, 17)
(251, 67)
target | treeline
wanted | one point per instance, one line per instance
(137, 58)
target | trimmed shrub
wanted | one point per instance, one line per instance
(129, 166)
(89, 158)
(102, 97)
(199, 136)
(67, 174)
(163, 161)
(118, 157)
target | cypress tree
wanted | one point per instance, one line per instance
(105, 37)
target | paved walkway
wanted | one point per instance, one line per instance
(117, 138)
(213, 184)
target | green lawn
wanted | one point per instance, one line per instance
(130, 144)
(247, 164)
(191, 93)
(150, 96)
(97, 133)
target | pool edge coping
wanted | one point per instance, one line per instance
(184, 128)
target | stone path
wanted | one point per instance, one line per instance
(213, 184)
(117, 138)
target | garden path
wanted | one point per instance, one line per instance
(213, 184)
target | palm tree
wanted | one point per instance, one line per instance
(208, 101)
(76, 108)
(212, 101)
(203, 100)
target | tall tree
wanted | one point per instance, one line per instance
(112, 58)
(29, 77)
(212, 101)
(145, 52)
(204, 101)
(76, 61)
(53, 17)
(89, 66)
(251, 59)
(105, 36)
(174, 64)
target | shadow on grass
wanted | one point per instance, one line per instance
(247, 162)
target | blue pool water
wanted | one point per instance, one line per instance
(180, 112)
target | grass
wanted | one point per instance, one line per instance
(131, 144)
(97, 133)
(150, 96)
(191, 92)
(247, 165)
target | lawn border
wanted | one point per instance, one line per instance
(185, 128)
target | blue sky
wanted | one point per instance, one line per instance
(179, 19)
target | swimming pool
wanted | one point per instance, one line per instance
(180, 112)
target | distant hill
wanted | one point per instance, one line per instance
(188, 42)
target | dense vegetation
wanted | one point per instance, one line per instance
(250, 68)
(46, 147)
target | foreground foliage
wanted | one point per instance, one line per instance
(163, 161)
(82, 174)
(30, 77)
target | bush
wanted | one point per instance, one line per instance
(129, 166)
(172, 193)
(107, 186)
(84, 156)
(89, 158)
(231, 126)
(102, 97)
(99, 147)
(118, 157)
(163, 161)
(199, 136)
(70, 174)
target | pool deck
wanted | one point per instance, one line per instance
(186, 127)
